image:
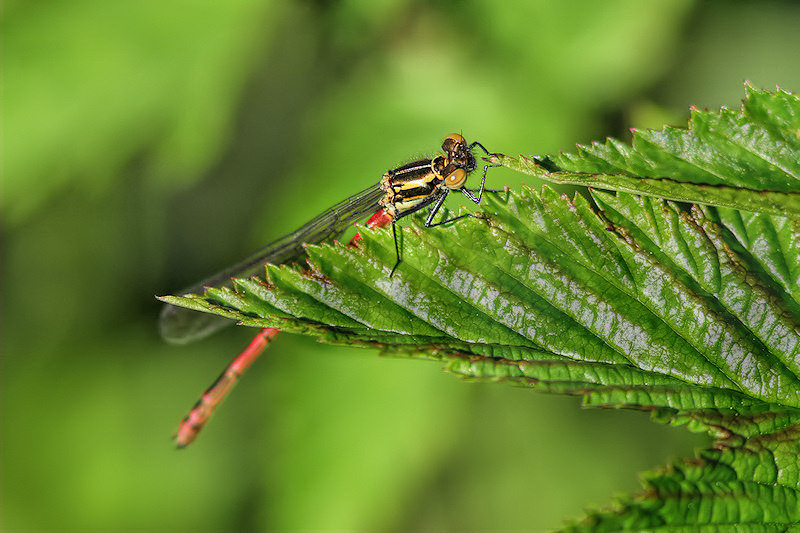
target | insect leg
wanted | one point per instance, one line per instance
(429, 221)
(396, 249)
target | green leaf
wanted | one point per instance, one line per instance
(748, 159)
(691, 312)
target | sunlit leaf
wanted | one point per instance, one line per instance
(691, 312)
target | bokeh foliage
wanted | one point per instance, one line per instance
(147, 144)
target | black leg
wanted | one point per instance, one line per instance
(468, 192)
(435, 209)
(473, 191)
(429, 221)
(482, 147)
(396, 250)
(465, 215)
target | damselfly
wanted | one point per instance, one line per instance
(401, 191)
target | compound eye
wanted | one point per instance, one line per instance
(453, 142)
(456, 179)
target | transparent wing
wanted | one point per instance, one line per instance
(179, 325)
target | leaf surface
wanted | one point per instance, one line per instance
(691, 312)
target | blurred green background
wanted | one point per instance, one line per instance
(148, 144)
